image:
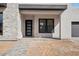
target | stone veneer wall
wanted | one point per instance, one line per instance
(10, 19)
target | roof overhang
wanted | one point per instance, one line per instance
(3, 5)
(42, 7)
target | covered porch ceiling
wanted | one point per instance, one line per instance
(36, 12)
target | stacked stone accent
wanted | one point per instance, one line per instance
(10, 19)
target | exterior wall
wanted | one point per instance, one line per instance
(13, 23)
(10, 22)
(67, 17)
(35, 19)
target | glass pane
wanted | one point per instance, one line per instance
(28, 24)
(1, 22)
(50, 22)
(50, 29)
(50, 26)
(28, 30)
(28, 33)
(42, 25)
(1, 18)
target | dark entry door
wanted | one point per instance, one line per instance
(28, 27)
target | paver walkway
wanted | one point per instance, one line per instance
(43, 47)
(5, 46)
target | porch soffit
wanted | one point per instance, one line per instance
(32, 12)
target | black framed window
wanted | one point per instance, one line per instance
(1, 23)
(46, 25)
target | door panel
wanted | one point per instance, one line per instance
(75, 29)
(28, 27)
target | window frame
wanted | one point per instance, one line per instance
(46, 26)
(77, 23)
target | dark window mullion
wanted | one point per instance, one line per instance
(53, 25)
(46, 25)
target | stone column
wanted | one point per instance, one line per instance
(11, 22)
(19, 28)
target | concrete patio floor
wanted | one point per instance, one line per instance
(39, 47)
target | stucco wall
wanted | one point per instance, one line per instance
(69, 15)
